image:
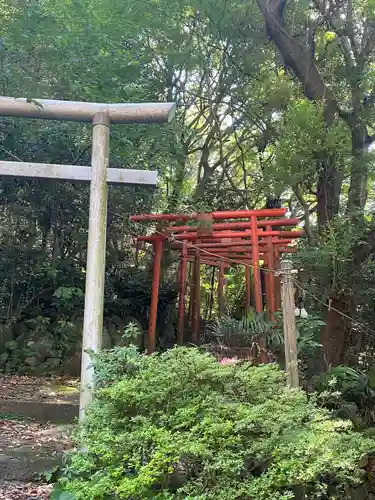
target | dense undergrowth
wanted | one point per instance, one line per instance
(181, 425)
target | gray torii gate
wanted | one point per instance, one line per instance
(101, 116)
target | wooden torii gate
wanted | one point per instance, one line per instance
(101, 116)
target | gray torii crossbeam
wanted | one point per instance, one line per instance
(75, 173)
(99, 175)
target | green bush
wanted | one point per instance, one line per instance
(239, 332)
(347, 392)
(181, 426)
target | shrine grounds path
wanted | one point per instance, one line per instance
(36, 419)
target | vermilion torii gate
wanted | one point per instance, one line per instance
(251, 238)
(101, 116)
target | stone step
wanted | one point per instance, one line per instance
(25, 467)
(58, 413)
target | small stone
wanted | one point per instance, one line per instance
(53, 362)
(32, 361)
(73, 366)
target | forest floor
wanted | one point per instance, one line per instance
(36, 417)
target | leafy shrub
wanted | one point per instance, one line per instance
(181, 426)
(239, 332)
(68, 297)
(307, 333)
(247, 330)
(112, 365)
(347, 393)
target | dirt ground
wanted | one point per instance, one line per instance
(36, 417)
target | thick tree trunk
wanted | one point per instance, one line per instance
(296, 56)
(359, 170)
(178, 182)
(328, 193)
(335, 335)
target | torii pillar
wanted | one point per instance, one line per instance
(102, 116)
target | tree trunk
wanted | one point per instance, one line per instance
(178, 182)
(335, 334)
(359, 170)
(328, 193)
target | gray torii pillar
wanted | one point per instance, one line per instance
(101, 116)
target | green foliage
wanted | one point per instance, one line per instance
(68, 297)
(334, 251)
(179, 425)
(12, 416)
(131, 333)
(242, 332)
(49, 476)
(307, 333)
(306, 141)
(347, 392)
(59, 494)
(112, 365)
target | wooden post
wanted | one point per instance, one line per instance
(277, 280)
(197, 300)
(181, 298)
(220, 289)
(271, 276)
(191, 294)
(151, 344)
(290, 340)
(212, 293)
(256, 269)
(95, 270)
(247, 289)
(266, 282)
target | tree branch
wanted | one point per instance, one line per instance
(306, 211)
(296, 56)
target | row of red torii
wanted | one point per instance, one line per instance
(243, 237)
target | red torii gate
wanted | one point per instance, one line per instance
(242, 242)
(227, 256)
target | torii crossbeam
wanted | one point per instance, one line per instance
(101, 116)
